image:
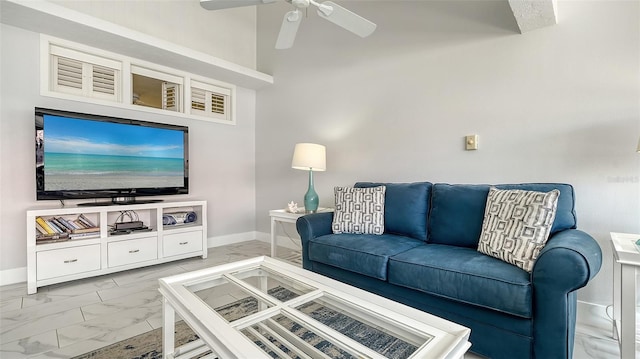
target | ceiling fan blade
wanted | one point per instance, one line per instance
(289, 29)
(346, 19)
(227, 4)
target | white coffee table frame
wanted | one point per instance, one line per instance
(446, 339)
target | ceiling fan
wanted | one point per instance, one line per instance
(328, 10)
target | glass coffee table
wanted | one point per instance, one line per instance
(266, 308)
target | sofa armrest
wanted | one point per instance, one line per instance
(312, 226)
(570, 259)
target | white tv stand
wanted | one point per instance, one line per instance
(50, 263)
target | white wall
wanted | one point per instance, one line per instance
(559, 104)
(222, 157)
(228, 34)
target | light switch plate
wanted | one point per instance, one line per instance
(471, 142)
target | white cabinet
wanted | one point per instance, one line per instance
(66, 261)
(98, 250)
(181, 243)
(132, 251)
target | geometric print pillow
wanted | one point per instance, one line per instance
(517, 224)
(359, 210)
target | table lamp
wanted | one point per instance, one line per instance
(312, 157)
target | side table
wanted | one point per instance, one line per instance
(625, 265)
(281, 215)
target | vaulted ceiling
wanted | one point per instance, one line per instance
(49, 18)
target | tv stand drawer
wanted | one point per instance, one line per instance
(67, 261)
(181, 243)
(132, 251)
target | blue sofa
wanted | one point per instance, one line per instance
(427, 259)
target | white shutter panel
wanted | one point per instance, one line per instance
(104, 80)
(210, 101)
(198, 97)
(218, 103)
(170, 96)
(67, 75)
(78, 73)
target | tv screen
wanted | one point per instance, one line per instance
(92, 156)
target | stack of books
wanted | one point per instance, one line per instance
(56, 229)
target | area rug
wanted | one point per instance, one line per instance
(149, 345)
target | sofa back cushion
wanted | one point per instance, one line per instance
(457, 211)
(406, 207)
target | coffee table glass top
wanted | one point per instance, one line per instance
(286, 312)
(237, 295)
(240, 294)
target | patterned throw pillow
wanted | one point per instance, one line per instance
(517, 224)
(359, 210)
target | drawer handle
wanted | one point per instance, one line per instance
(134, 251)
(183, 243)
(71, 261)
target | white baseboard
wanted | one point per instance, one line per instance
(594, 319)
(13, 275)
(282, 241)
(231, 239)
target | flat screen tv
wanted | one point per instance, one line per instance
(83, 156)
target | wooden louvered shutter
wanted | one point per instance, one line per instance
(210, 101)
(170, 96)
(218, 103)
(68, 75)
(103, 80)
(77, 73)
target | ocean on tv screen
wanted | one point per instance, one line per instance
(87, 172)
(83, 154)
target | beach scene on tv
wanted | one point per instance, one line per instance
(91, 155)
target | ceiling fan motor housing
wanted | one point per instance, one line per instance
(300, 3)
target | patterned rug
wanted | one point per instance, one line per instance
(149, 345)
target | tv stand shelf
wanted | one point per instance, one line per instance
(102, 252)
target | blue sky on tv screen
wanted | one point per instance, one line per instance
(72, 135)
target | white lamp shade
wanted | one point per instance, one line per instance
(309, 156)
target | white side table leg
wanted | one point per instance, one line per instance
(628, 313)
(274, 243)
(617, 292)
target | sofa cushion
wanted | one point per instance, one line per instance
(406, 207)
(457, 210)
(516, 225)
(361, 253)
(359, 210)
(464, 275)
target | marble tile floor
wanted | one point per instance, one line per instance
(69, 319)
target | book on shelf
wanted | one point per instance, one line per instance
(85, 235)
(86, 221)
(66, 223)
(44, 225)
(59, 226)
(50, 238)
(41, 229)
(86, 230)
(79, 223)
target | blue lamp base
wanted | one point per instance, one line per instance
(311, 197)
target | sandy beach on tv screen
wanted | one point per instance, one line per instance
(93, 182)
